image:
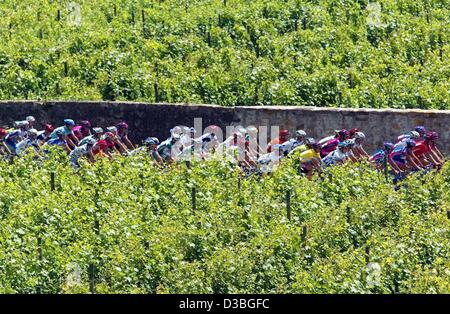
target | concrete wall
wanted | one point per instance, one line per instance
(156, 119)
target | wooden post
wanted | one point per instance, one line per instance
(92, 278)
(66, 68)
(448, 214)
(132, 16)
(348, 215)
(288, 204)
(52, 181)
(304, 233)
(385, 167)
(304, 22)
(143, 20)
(58, 15)
(367, 254)
(194, 201)
(39, 243)
(224, 3)
(115, 10)
(58, 89)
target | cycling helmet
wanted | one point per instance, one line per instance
(360, 135)
(343, 133)
(30, 119)
(98, 130)
(315, 145)
(284, 132)
(414, 134)
(69, 122)
(32, 132)
(420, 129)
(85, 124)
(192, 130)
(353, 132)
(410, 143)
(109, 135)
(111, 129)
(122, 125)
(300, 133)
(176, 130)
(151, 141)
(213, 128)
(388, 146)
(49, 128)
(3, 132)
(431, 136)
(310, 140)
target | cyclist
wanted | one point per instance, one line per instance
(268, 162)
(425, 150)
(97, 134)
(4, 150)
(289, 145)
(283, 137)
(339, 155)
(377, 159)
(59, 141)
(114, 144)
(30, 141)
(404, 157)
(44, 135)
(401, 140)
(71, 139)
(357, 150)
(122, 134)
(332, 144)
(82, 151)
(310, 160)
(166, 149)
(83, 130)
(12, 138)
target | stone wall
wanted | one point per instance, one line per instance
(156, 119)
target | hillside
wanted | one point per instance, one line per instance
(345, 53)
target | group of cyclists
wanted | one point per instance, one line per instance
(410, 152)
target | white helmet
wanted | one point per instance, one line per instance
(360, 135)
(30, 119)
(112, 129)
(32, 132)
(300, 133)
(176, 130)
(98, 130)
(414, 134)
(241, 129)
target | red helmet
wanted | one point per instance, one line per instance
(122, 125)
(284, 132)
(432, 136)
(85, 124)
(353, 131)
(3, 132)
(49, 128)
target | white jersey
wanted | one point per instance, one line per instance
(334, 157)
(24, 144)
(290, 145)
(268, 162)
(78, 152)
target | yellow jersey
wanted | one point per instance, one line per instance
(308, 155)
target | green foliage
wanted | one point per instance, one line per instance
(266, 52)
(134, 224)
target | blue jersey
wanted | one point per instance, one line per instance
(57, 141)
(378, 157)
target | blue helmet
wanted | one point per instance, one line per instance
(69, 122)
(420, 129)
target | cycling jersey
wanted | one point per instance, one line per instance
(328, 147)
(76, 154)
(398, 155)
(421, 148)
(57, 142)
(308, 155)
(65, 129)
(165, 148)
(335, 157)
(24, 144)
(378, 157)
(41, 136)
(290, 145)
(81, 132)
(86, 139)
(326, 139)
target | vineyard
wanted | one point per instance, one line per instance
(128, 226)
(344, 53)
